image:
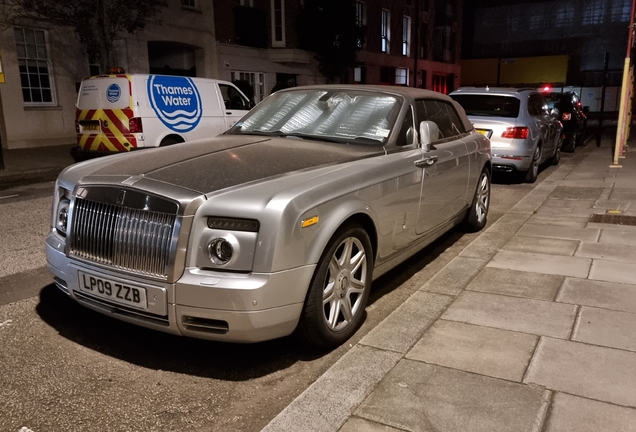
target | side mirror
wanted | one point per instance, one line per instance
(411, 136)
(429, 132)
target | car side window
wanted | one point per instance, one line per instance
(533, 106)
(406, 124)
(232, 98)
(443, 114)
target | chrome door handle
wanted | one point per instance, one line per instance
(426, 162)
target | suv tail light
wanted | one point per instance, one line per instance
(567, 116)
(515, 132)
(135, 126)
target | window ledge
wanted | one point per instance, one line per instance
(43, 108)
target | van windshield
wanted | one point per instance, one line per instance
(104, 93)
(343, 116)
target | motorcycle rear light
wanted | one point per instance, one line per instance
(567, 116)
(135, 126)
(516, 132)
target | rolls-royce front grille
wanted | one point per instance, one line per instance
(134, 240)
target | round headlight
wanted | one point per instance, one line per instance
(62, 216)
(220, 251)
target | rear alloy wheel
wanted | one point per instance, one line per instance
(533, 172)
(478, 211)
(339, 290)
(570, 143)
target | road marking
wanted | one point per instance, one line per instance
(7, 322)
(9, 196)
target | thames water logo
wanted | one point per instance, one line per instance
(176, 101)
(113, 92)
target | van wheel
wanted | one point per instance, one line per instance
(337, 296)
(170, 140)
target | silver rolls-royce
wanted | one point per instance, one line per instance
(277, 226)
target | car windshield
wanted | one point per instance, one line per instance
(343, 116)
(489, 105)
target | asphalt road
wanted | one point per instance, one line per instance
(66, 368)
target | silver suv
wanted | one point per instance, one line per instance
(522, 132)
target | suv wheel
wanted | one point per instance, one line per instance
(533, 171)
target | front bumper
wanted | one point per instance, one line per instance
(202, 304)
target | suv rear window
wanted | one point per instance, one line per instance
(489, 105)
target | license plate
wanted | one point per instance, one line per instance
(117, 292)
(90, 128)
(484, 132)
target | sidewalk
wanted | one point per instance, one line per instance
(531, 328)
(35, 164)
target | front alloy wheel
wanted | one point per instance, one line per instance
(339, 291)
(478, 211)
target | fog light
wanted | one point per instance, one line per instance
(220, 251)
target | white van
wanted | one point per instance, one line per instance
(123, 112)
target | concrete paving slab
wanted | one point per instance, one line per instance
(484, 247)
(560, 203)
(606, 328)
(453, 278)
(418, 397)
(328, 402)
(512, 313)
(509, 224)
(483, 350)
(600, 373)
(530, 203)
(570, 221)
(624, 193)
(587, 184)
(518, 284)
(401, 330)
(608, 295)
(539, 263)
(618, 237)
(607, 251)
(356, 424)
(611, 227)
(567, 212)
(613, 271)
(542, 245)
(559, 232)
(572, 413)
(577, 192)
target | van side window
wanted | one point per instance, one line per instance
(232, 98)
(443, 114)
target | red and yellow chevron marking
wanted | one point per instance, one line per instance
(114, 133)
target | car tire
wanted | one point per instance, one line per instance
(556, 157)
(533, 171)
(570, 143)
(168, 141)
(337, 296)
(477, 215)
(580, 139)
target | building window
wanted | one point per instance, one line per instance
(621, 10)
(246, 3)
(189, 3)
(361, 14)
(357, 74)
(278, 23)
(406, 36)
(565, 16)
(385, 30)
(593, 12)
(402, 76)
(35, 66)
(256, 80)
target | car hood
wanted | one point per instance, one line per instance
(225, 161)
